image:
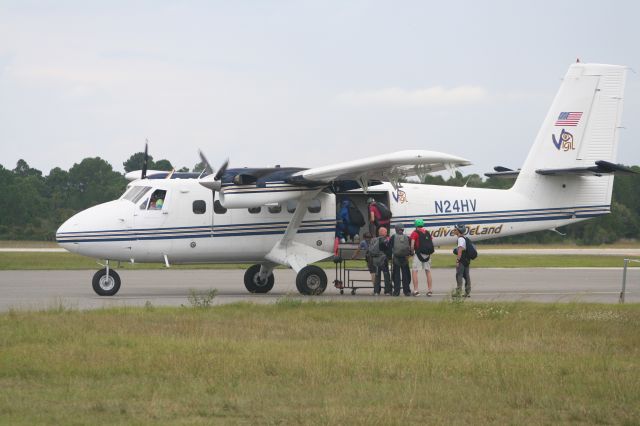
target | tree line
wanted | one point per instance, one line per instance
(35, 205)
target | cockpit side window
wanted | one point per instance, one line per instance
(135, 193)
(157, 199)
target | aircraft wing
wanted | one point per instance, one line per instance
(388, 167)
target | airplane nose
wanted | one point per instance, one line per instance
(83, 232)
(65, 232)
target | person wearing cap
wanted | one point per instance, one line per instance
(401, 250)
(376, 220)
(462, 262)
(420, 263)
(381, 263)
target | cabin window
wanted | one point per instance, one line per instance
(199, 207)
(218, 209)
(135, 193)
(291, 206)
(254, 210)
(275, 209)
(157, 199)
(314, 206)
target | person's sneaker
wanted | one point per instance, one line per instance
(376, 294)
(429, 294)
(396, 294)
(416, 293)
(408, 294)
(466, 295)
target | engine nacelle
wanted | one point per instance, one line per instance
(252, 196)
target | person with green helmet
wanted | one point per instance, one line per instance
(422, 249)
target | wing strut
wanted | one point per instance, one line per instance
(291, 253)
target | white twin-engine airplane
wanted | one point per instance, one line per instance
(287, 216)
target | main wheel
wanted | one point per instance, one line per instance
(254, 284)
(311, 280)
(106, 286)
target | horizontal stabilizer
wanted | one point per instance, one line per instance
(504, 174)
(601, 167)
(502, 169)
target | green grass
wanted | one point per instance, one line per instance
(399, 362)
(65, 261)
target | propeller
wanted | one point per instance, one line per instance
(211, 181)
(145, 161)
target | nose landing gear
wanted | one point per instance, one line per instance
(106, 282)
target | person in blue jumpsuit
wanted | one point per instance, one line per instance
(346, 230)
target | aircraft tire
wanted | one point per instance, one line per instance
(252, 281)
(103, 286)
(311, 280)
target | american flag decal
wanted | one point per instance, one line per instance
(568, 119)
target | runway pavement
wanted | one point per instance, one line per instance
(72, 289)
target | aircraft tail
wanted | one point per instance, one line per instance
(579, 134)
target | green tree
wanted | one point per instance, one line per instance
(162, 165)
(93, 181)
(136, 161)
(23, 169)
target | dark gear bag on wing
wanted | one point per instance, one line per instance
(355, 216)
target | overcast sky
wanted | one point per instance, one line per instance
(299, 83)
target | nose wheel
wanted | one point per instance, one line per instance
(106, 282)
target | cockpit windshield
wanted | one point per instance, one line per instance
(134, 194)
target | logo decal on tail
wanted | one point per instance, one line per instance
(568, 119)
(564, 142)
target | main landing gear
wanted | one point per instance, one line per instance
(311, 280)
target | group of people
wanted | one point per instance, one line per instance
(408, 255)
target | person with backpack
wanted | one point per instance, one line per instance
(364, 246)
(349, 221)
(380, 254)
(422, 249)
(379, 216)
(401, 249)
(465, 252)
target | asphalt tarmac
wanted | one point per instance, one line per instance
(36, 290)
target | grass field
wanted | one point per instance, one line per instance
(323, 363)
(65, 261)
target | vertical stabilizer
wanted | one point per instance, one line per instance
(581, 127)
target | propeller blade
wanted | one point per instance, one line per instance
(145, 161)
(222, 169)
(208, 169)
